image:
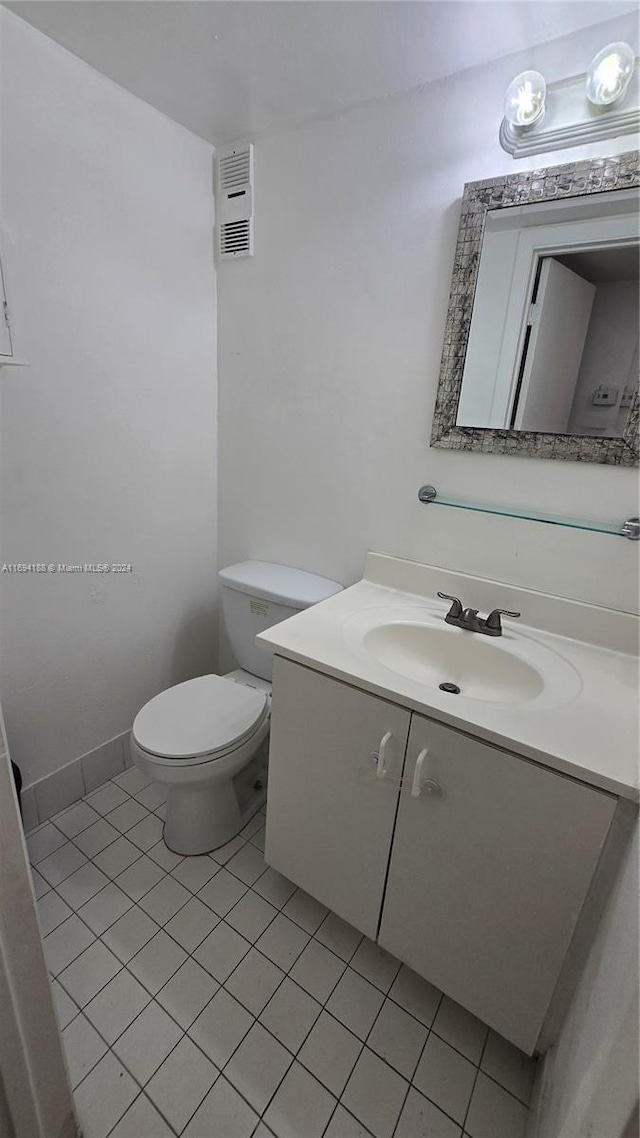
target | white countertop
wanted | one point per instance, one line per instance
(592, 735)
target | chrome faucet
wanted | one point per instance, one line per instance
(468, 619)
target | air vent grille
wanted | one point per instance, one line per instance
(235, 238)
(234, 169)
(234, 201)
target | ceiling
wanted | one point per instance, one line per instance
(228, 69)
(603, 266)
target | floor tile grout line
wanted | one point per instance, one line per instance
(185, 1032)
(75, 912)
(121, 834)
(478, 1071)
(253, 943)
(292, 1060)
(110, 1051)
(144, 1085)
(347, 1111)
(85, 798)
(160, 928)
(294, 1056)
(101, 1037)
(100, 989)
(287, 972)
(256, 1019)
(152, 999)
(142, 1094)
(475, 1081)
(91, 898)
(415, 1018)
(422, 1049)
(54, 975)
(189, 956)
(317, 1077)
(221, 1070)
(497, 1082)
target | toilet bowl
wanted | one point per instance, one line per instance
(206, 740)
(194, 739)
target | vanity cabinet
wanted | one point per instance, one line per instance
(490, 865)
(468, 863)
(329, 818)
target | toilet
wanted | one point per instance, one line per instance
(206, 740)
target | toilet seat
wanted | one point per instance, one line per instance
(200, 720)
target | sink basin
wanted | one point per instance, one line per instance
(414, 643)
(480, 668)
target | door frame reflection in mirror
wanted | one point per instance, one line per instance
(555, 183)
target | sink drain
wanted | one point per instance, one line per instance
(453, 689)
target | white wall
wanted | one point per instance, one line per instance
(329, 352)
(590, 1078)
(108, 444)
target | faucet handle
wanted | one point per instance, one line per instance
(493, 620)
(456, 607)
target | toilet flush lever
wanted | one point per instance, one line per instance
(378, 756)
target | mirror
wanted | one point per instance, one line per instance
(541, 345)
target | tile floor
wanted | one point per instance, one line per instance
(210, 998)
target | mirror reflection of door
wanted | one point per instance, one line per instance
(579, 368)
(558, 323)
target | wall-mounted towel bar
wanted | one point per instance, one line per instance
(629, 529)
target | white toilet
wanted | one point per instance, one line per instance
(206, 740)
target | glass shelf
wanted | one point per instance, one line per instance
(629, 529)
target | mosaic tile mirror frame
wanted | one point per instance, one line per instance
(574, 179)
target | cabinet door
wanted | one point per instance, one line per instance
(329, 818)
(490, 866)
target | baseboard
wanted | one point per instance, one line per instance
(49, 795)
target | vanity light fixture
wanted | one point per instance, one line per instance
(525, 98)
(601, 103)
(609, 74)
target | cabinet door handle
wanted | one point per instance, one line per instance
(379, 755)
(415, 785)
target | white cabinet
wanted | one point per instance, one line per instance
(472, 869)
(490, 866)
(329, 819)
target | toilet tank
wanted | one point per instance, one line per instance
(258, 594)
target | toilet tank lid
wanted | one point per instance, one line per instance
(292, 587)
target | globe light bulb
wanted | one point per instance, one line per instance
(524, 99)
(609, 74)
